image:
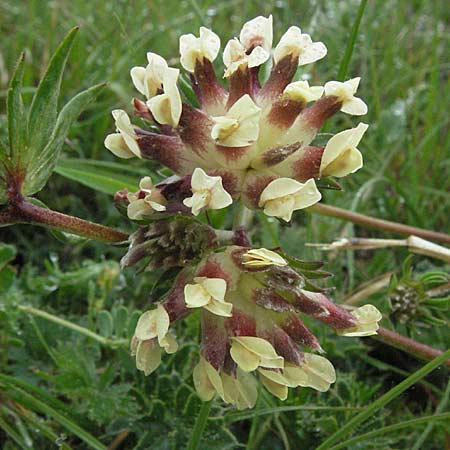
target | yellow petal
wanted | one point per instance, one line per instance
(367, 318)
(153, 323)
(148, 356)
(320, 372)
(261, 257)
(341, 156)
(196, 296)
(276, 389)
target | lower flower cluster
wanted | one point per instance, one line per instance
(250, 301)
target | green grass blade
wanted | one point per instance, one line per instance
(384, 399)
(43, 111)
(238, 416)
(44, 162)
(343, 68)
(389, 429)
(33, 403)
(12, 434)
(441, 407)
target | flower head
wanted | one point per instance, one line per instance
(249, 142)
(345, 93)
(208, 192)
(283, 196)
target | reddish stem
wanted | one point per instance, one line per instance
(408, 345)
(21, 211)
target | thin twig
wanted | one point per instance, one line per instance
(379, 224)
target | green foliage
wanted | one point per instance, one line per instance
(35, 140)
(102, 176)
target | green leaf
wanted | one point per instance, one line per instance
(43, 111)
(120, 320)
(17, 123)
(7, 254)
(44, 162)
(105, 323)
(101, 176)
(7, 276)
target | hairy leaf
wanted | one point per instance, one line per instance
(44, 162)
(101, 176)
(43, 111)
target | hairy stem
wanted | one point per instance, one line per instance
(243, 217)
(65, 323)
(22, 211)
(408, 345)
(379, 224)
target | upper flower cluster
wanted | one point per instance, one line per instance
(251, 141)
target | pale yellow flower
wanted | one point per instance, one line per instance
(250, 352)
(166, 108)
(301, 91)
(367, 318)
(138, 207)
(148, 80)
(240, 126)
(283, 196)
(240, 390)
(235, 57)
(261, 257)
(155, 324)
(345, 93)
(124, 143)
(300, 45)
(341, 156)
(193, 49)
(208, 192)
(208, 293)
(148, 356)
(207, 380)
(257, 32)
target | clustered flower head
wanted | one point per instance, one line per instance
(249, 142)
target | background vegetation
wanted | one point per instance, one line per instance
(79, 388)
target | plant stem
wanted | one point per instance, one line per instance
(65, 323)
(243, 217)
(383, 400)
(199, 425)
(408, 345)
(25, 212)
(379, 224)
